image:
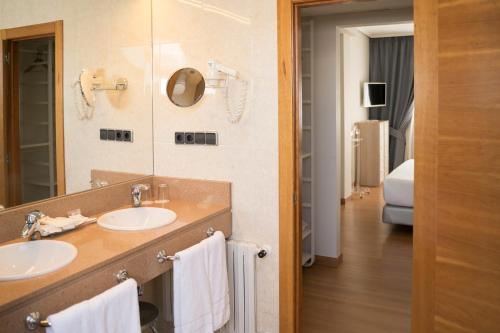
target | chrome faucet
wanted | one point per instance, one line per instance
(30, 229)
(137, 192)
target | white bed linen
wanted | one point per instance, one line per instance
(398, 185)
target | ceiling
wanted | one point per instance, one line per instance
(355, 6)
(388, 30)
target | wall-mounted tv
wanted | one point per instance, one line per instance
(374, 94)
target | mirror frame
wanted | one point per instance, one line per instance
(170, 87)
(8, 36)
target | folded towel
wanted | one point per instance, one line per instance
(217, 277)
(50, 225)
(192, 304)
(114, 311)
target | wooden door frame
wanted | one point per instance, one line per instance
(3, 135)
(50, 29)
(290, 239)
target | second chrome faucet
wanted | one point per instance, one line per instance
(137, 193)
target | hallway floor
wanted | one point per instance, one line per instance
(371, 290)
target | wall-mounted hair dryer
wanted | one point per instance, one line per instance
(220, 76)
(89, 82)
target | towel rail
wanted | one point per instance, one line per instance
(33, 321)
(162, 254)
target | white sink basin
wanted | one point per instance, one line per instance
(140, 218)
(34, 258)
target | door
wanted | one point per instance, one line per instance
(31, 114)
(457, 167)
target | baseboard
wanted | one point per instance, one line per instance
(328, 261)
(343, 200)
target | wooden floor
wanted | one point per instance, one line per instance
(370, 291)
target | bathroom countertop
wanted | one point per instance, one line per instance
(98, 247)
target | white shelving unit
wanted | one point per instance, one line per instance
(307, 146)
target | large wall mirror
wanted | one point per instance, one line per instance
(76, 101)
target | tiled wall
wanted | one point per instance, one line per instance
(114, 35)
(242, 35)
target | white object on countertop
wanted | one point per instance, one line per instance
(115, 310)
(217, 277)
(192, 304)
(50, 225)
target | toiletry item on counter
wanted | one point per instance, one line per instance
(52, 225)
(163, 195)
(146, 195)
(115, 310)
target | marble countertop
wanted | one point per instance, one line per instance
(98, 247)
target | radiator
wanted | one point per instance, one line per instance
(241, 278)
(241, 273)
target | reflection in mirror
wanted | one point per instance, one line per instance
(54, 140)
(186, 87)
(31, 152)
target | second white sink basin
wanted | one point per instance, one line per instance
(34, 258)
(134, 219)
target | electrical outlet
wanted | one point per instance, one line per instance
(189, 138)
(198, 138)
(116, 135)
(179, 138)
(119, 135)
(128, 136)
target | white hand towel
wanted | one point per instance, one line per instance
(51, 225)
(114, 311)
(75, 319)
(217, 277)
(192, 304)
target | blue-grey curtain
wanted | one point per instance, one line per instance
(391, 61)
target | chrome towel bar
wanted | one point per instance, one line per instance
(162, 254)
(32, 321)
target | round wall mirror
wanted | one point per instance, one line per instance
(186, 87)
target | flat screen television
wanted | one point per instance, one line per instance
(374, 94)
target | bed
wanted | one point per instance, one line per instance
(398, 195)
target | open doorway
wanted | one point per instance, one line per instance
(356, 78)
(455, 213)
(31, 121)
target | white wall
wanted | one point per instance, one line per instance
(242, 35)
(327, 126)
(114, 36)
(326, 140)
(356, 61)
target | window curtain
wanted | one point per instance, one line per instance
(391, 61)
(410, 138)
